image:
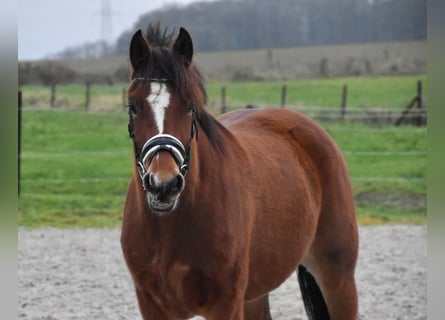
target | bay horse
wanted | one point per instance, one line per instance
(220, 212)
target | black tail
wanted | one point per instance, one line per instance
(314, 303)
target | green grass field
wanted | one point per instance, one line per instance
(76, 165)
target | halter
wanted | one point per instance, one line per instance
(161, 142)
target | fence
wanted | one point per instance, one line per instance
(104, 156)
(415, 113)
(19, 139)
(375, 116)
(64, 97)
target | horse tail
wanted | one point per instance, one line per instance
(313, 300)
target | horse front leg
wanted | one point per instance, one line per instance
(148, 307)
(230, 304)
(228, 311)
(258, 309)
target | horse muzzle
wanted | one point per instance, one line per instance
(163, 188)
(163, 194)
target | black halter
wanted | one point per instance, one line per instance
(161, 142)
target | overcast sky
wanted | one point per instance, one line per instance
(49, 26)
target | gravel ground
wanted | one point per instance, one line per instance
(80, 274)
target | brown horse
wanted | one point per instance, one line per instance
(221, 212)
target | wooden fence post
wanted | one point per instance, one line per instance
(87, 95)
(417, 101)
(344, 100)
(223, 100)
(419, 104)
(20, 137)
(52, 101)
(283, 96)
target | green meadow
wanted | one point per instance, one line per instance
(76, 165)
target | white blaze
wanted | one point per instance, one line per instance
(159, 99)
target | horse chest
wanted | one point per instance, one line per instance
(178, 288)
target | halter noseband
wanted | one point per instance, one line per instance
(161, 142)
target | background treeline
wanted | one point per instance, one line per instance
(282, 33)
(368, 59)
(254, 24)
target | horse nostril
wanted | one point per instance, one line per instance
(148, 181)
(177, 184)
(174, 186)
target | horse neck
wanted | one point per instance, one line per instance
(208, 163)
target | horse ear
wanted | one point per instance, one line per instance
(184, 46)
(139, 49)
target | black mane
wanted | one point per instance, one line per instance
(158, 37)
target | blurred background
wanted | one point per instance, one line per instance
(382, 37)
(358, 67)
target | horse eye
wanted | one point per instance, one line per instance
(132, 108)
(190, 108)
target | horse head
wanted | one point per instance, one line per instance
(162, 99)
